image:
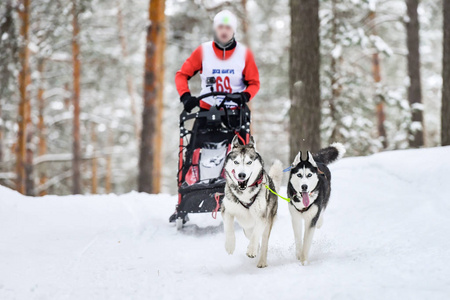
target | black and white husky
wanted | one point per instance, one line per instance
(247, 200)
(309, 190)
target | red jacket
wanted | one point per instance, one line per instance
(193, 64)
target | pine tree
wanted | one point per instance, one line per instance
(305, 114)
(152, 86)
(76, 162)
(414, 89)
(24, 82)
(445, 110)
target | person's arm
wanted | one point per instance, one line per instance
(190, 67)
(251, 75)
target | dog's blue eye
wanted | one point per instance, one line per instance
(299, 175)
(236, 162)
(309, 175)
(249, 163)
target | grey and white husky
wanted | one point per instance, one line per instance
(247, 200)
(309, 189)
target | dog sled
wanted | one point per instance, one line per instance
(202, 153)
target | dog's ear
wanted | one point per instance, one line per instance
(297, 159)
(310, 158)
(251, 143)
(235, 142)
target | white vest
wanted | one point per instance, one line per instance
(228, 73)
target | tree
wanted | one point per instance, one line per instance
(128, 76)
(158, 157)
(24, 82)
(152, 86)
(445, 110)
(42, 149)
(94, 159)
(8, 59)
(414, 89)
(76, 160)
(305, 113)
(376, 73)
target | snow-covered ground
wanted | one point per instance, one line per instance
(386, 235)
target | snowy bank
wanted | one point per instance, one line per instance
(386, 235)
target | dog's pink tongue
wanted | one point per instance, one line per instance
(305, 198)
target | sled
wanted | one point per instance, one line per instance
(202, 152)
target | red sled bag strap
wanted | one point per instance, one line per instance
(196, 156)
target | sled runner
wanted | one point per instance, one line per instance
(202, 152)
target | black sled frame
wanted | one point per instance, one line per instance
(202, 197)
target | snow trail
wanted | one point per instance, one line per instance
(385, 235)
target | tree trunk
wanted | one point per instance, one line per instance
(157, 174)
(29, 178)
(108, 176)
(445, 110)
(152, 86)
(8, 51)
(335, 89)
(24, 82)
(381, 116)
(41, 126)
(68, 96)
(76, 162)
(128, 76)
(305, 111)
(414, 89)
(245, 23)
(94, 161)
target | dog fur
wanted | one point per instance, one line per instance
(309, 189)
(248, 201)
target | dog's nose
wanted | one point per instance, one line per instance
(241, 176)
(304, 187)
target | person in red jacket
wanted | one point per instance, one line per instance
(225, 62)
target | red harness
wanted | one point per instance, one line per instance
(258, 181)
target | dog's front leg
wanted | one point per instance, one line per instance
(230, 238)
(297, 224)
(265, 245)
(252, 249)
(307, 241)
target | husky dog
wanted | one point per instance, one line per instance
(247, 200)
(309, 190)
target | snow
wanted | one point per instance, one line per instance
(385, 236)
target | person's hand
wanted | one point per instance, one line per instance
(239, 98)
(189, 102)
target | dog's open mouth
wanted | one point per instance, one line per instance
(305, 199)
(242, 184)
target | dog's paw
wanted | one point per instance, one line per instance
(298, 254)
(230, 245)
(262, 264)
(303, 259)
(252, 251)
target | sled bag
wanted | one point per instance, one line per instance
(192, 175)
(212, 159)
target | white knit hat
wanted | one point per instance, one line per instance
(225, 17)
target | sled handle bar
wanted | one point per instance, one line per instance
(204, 114)
(213, 94)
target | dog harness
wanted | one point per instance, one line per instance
(256, 183)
